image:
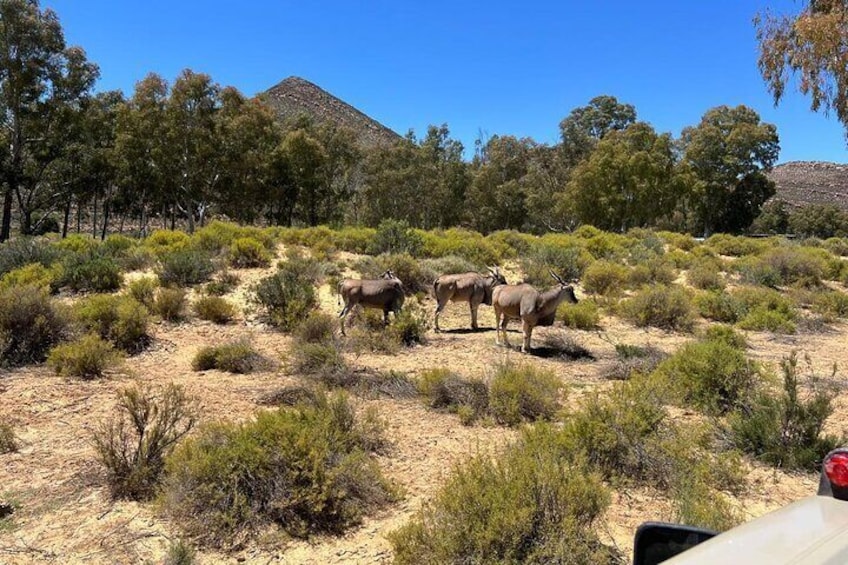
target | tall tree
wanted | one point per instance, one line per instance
(584, 127)
(194, 143)
(445, 178)
(729, 152)
(629, 180)
(141, 150)
(42, 83)
(812, 45)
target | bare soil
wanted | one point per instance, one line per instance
(64, 513)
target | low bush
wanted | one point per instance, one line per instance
(307, 469)
(224, 283)
(831, 304)
(664, 307)
(712, 374)
(414, 274)
(786, 428)
(837, 245)
(354, 239)
(133, 444)
(581, 316)
(215, 309)
(318, 327)
(91, 273)
(706, 275)
(285, 298)
(653, 271)
(170, 304)
(180, 553)
(86, 358)
(523, 393)
(528, 505)
(143, 290)
(289, 396)
(185, 267)
(721, 332)
(449, 265)
(469, 245)
(395, 236)
(765, 309)
(605, 278)
(34, 274)
(736, 246)
(567, 260)
(119, 319)
(246, 253)
(753, 270)
(409, 325)
(77, 243)
(8, 441)
(632, 360)
(22, 251)
(30, 324)
(164, 242)
(719, 306)
(317, 358)
(445, 390)
(233, 357)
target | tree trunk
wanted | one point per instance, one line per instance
(6, 229)
(66, 219)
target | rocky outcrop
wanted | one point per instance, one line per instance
(295, 96)
(800, 183)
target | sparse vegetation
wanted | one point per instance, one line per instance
(581, 316)
(224, 283)
(133, 444)
(185, 267)
(285, 298)
(90, 272)
(144, 290)
(8, 441)
(170, 304)
(247, 253)
(445, 390)
(119, 319)
(665, 307)
(306, 469)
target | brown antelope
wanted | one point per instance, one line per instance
(385, 293)
(534, 308)
(473, 288)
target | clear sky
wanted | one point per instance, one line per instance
(496, 67)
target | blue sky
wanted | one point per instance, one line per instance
(495, 67)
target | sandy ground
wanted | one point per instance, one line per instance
(65, 515)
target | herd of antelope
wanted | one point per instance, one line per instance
(510, 301)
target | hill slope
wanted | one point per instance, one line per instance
(800, 183)
(295, 96)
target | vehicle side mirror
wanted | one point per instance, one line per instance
(657, 541)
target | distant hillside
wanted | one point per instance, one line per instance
(800, 183)
(295, 96)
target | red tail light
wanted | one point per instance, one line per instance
(836, 469)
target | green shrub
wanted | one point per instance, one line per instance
(246, 253)
(665, 307)
(605, 278)
(318, 327)
(133, 444)
(8, 441)
(706, 275)
(180, 553)
(409, 326)
(719, 306)
(448, 265)
(529, 505)
(413, 273)
(831, 304)
(819, 220)
(306, 469)
(736, 246)
(91, 273)
(512, 242)
(185, 267)
(354, 239)
(786, 428)
(119, 319)
(164, 242)
(316, 358)
(285, 297)
(765, 309)
(86, 358)
(837, 246)
(234, 357)
(727, 334)
(445, 390)
(564, 257)
(523, 392)
(170, 304)
(144, 290)
(654, 270)
(22, 251)
(224, 283)
(697, 504)
(468, 245)
(753, 270)
(395, 236)
(30, 324)
(712, 374)
(632, 360)
(681, 241)
(34, 274)
(78, 244)
(581, 316)
(215, 309)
